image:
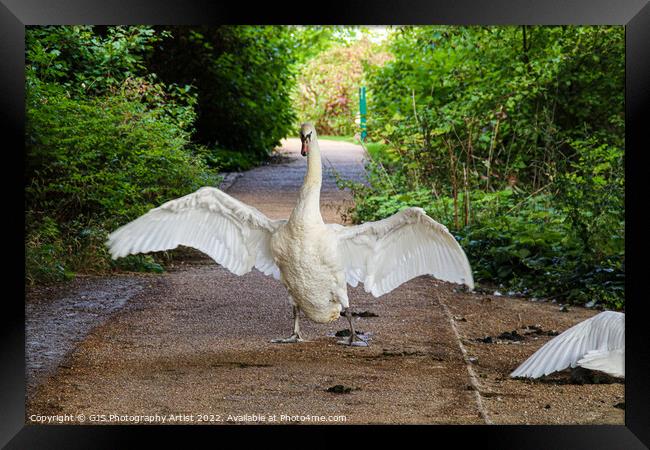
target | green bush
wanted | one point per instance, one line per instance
(513, 241)
(110, 158)
(243, 76)
(93, 165)
(229, 160)
(501, 103)
(99, 157)
(592, 194)
(526, 122)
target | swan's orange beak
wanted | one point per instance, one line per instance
(304, 150)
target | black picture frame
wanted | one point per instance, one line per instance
(634, 14)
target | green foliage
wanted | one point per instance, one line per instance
(379, 151)
(109, 158)
(85, 59)
(513, 138)
(592, 195)
(312, 40)
(243, 76)
(503, 101)
(99, 157)
(45, 252)
(527, 246)
(523, 244)
(328, 85)
(228, 160)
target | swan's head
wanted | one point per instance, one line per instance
(307, 136)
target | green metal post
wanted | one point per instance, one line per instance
(362, 112)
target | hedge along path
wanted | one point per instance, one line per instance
(196, 340)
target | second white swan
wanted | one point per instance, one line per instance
(597, 343)
(313, 260)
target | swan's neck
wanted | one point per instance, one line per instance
(308, 207)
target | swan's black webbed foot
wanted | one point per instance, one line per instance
(354, 340)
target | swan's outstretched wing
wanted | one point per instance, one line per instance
(603, 332)
(608, 361)
(384, 254)
(235, 235)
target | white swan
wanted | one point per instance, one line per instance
(597, 343)
(312, 259)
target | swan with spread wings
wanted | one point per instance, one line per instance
(313, 260)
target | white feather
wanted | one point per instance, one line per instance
(384, 254)
(597, 343)
(232, 233)
(608, 361)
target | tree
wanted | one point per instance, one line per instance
(243, 76)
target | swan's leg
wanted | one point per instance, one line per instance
(353, 340)
(295, 337)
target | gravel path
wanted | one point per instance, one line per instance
(192, 345)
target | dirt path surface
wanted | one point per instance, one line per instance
(195, 342)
